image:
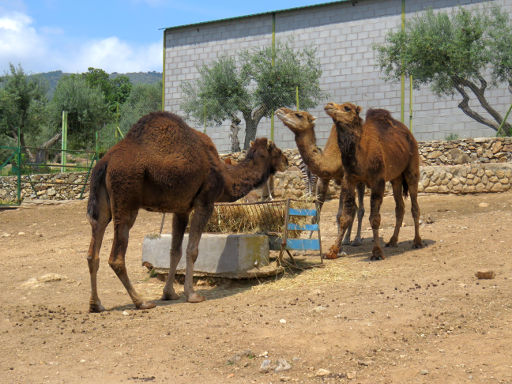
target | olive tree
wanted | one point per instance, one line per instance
(463, 52)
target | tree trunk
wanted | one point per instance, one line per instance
(252, 119)
(42, 152)
(479, 93)
(235, 128)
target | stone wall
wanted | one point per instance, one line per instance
(458, 166)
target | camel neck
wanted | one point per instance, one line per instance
(242, 178)
(348, 141)
(315, 159)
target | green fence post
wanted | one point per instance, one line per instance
(64, 146)
(504, 120)
(297, 97)
(273, 63)
(18, 187)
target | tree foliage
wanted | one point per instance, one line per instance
(453, 53)
(248, 84)
(143, 99)
(22, 105)
(86, 107)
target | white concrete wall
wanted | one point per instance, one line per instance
(343, 35)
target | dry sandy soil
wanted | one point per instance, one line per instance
(420, 316)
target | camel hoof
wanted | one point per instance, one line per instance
(169, 296)
(96, 308)
(391, 244)
(356, 242)
(195, 298)
(417, 245)
(333, 253)
(377, 254)
(346, 242)
(146, 305)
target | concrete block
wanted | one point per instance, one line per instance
(218, 253)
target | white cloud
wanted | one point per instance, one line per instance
(114, 55)
(19, 41)
(49, 48)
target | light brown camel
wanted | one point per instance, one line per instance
(164, 165)
(326, 163)
(382, 149)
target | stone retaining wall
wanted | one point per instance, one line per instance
(458, 166)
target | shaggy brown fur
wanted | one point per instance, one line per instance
(382, 149)
(326, 163)
(164, 165)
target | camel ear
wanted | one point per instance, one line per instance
(313, 118)
(252, 143)
(269, 144)
(358, 109)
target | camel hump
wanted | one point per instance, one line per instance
(378, 114)
(155, 121)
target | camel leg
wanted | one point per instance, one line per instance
(93, 255)
(399, 210)
(179, 224)
(412, 182)
(375, 203)
(116, 261)
(347, 218)
(360, 213)
(322, 187)
(200, 217)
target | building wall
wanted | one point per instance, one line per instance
(344, 34)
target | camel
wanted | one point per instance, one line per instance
(382, 149)
(326, 163)
(164, 165)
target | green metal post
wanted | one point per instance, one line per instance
(504, 120)
(163, 75)
(64, 146)
(402, 77)
(204, 118)
(96, 150)
(18, 191)
(410, 103)
(273, 63)
(297, 96)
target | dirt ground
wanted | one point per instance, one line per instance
(420, 316)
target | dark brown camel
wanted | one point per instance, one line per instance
(382, 149)
(164, 165)
(326, 163)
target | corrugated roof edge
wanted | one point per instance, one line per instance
(255, 15)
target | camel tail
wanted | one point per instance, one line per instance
(405, 187)
(97, 182)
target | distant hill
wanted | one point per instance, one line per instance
(135, 77)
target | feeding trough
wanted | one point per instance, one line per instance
(236, 243)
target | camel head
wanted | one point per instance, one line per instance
(346, 113)
(265, 150)
(297, 121)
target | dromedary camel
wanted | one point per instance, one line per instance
(382, 149)
(164, 165)
(326, 163)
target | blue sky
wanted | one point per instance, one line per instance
(114, 35)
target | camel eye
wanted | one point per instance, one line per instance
(347, 109)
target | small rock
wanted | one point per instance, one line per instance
(320, 308)
(483, 205)
(285, 378)
(282, 365)
(282, 321)
(322, 372)
(263, 354)
(265, 365)
(126, 313)
(21, 233)
(424, 372)
(5, 234)
(365, 363)
(485, 275)
(351, 375)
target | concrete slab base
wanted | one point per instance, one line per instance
(218, 253)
